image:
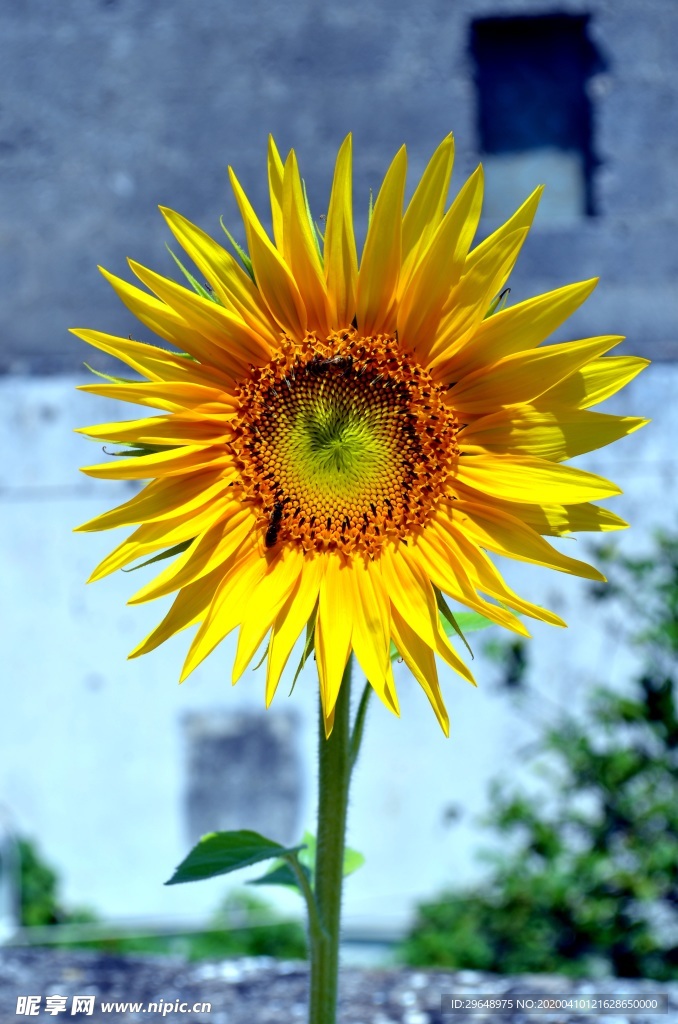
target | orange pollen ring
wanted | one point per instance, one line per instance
(343, 443)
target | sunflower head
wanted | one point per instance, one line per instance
(341, 442)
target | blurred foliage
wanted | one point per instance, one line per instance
(39, 896)
(244, 925)
(586, 882)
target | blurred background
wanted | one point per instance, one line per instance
(109, 771)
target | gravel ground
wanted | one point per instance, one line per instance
(264, 991)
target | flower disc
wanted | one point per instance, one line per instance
(344, 443)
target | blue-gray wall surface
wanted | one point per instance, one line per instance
(111, 107)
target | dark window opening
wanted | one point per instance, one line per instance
(531, 75)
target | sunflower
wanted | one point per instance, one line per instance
(341, 443)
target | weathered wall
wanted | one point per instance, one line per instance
(112, 107)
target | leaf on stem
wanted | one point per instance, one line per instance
(220, 852)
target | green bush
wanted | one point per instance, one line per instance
(39, 891)
(587, 880)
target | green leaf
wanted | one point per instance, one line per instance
(169, 553)
(204, 293)
(353, 860)
(221, 852)
(471, 622)
(246, 261)
(281, 874)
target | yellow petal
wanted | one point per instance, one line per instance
(594, 383)
(225, 610)
(234, 287)
(469, 301)
(370, 637)
(521, 220)
(291, 620)
(189, 607)
(341, 261)
(487, 579)
(420, 660)
(525, 376)
(157, 364)
(380, 264)
(229, 343)
(161, 535)
(161, 430)
(556, 434)
(174, 462)
(300, 250)
(515, 329)
(233, 534)
(275, 188)
(439, 270)
(333, 630)
(507, 535)
(523, 478)
(262, 609)
(160, 500)
(425, 209)
(440, 559)
(165, 321)
(273, 276)
(411, 594)
(554, 520)
(172, 396)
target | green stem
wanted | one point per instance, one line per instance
(314, 923)
(359, 725)
(334, 778)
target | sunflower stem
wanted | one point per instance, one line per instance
(334, 779)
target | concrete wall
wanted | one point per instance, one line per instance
(106, 110)
(94, 749)
(112, 107)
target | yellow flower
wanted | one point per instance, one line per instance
(340, 444)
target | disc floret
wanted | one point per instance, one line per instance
(343, 443)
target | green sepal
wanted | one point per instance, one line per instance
(218, 853)
(107, 376)
(169, 553)
(450, 623)
(138, 449)
(262, 658)
(246, 261)
(311, 221)
(203, 292)
(309, 645)
(498, 303)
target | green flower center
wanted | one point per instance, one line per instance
(343, 443)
